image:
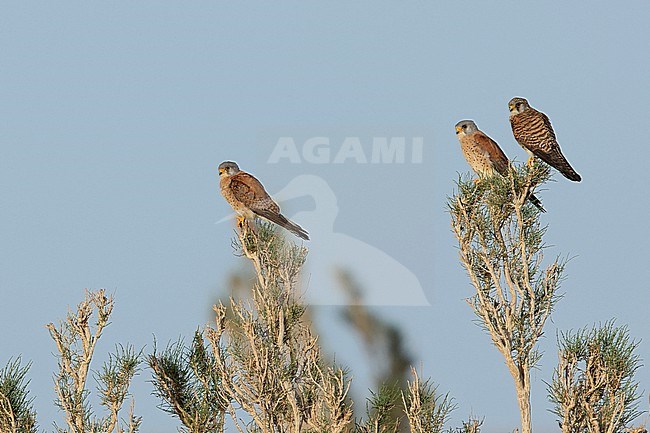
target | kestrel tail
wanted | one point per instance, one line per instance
(533, 131)
(484, 154)
(249, 199)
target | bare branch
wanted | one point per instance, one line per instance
(75, 339)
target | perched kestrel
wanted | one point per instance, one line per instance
(249, 199)
(533, 130)
(484, 155)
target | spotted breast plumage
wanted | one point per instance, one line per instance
(533, 131)
(249, 199)
(484, 155)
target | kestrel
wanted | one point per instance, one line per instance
(249, 199)
(484, 155)
(533, 131)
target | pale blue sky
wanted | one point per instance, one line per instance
(115, 115)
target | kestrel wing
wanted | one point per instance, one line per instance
(498, 159)
(556, 159)
(250, 192)
(547, 124)
(283, 221)
(539, 135)
(549, 150)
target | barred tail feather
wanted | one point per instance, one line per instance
(536, 202)
(568, 172)
(282, 221)
(560, 163)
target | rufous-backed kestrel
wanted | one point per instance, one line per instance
(249, 199)
(484, 155)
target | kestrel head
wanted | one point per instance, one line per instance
(228, 168)
(517, 105)
(466, 127)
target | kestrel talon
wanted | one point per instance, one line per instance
(250, 200)
(484, 154)
(533, 131)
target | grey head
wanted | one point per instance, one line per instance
(229, 168)
(518, 105)
(465, 127)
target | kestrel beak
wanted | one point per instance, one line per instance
(220, 171)
(511, 107)
(458, 129)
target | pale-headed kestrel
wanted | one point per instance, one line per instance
(533, 131)
(484, 155)
(249, 199)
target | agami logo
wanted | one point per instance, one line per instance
(372, 150)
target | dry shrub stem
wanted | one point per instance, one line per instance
(75, 339)
(500, 246)
(262, 368)
(593, 388)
